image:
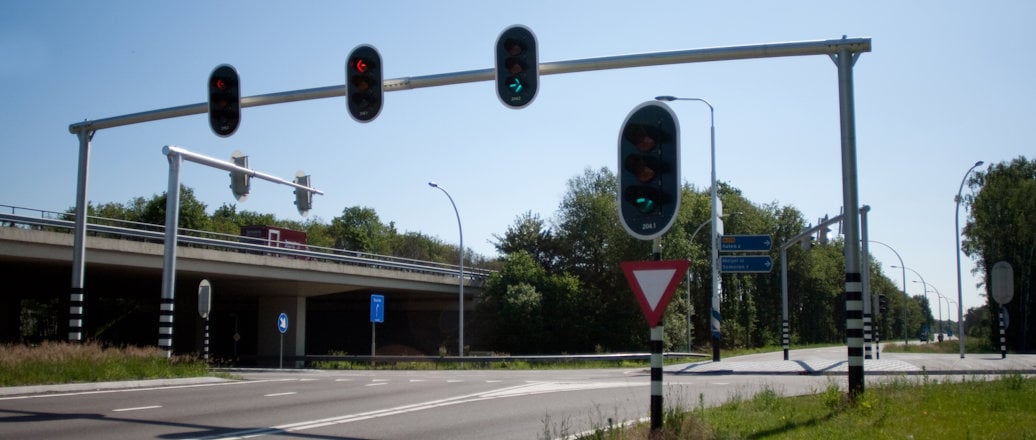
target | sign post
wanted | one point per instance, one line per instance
(653, 284)
(1003, 293)
(282, 326)
(204, 308)
(377, 315)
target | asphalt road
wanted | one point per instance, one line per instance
(371, 405)
(471, 404)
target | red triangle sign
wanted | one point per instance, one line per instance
(653, 283)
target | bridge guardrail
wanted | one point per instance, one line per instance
(189, 237)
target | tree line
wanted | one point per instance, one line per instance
(557, 286)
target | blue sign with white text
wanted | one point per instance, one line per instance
(745, 243)
(745, 264)
(377, 308)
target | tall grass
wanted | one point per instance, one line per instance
(62, 362)
(899, 409)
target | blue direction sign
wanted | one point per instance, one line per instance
(745, 243)
(377, 308)
(745, 264)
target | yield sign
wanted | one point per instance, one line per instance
(653, 283)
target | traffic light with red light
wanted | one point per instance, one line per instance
(517, 67)
(224, 100)
(363, 78)
(649, 170)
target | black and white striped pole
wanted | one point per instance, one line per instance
(1003, 333)
(1003, 292)
(204, 307)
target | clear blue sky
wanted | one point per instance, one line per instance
(947, 83)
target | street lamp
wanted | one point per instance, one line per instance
(460, 295)
(714, 196)
(925, 286)
(905, 298)
(939, 305)
(960, 294)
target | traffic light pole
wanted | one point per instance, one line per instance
(804, 235)
(176, 157)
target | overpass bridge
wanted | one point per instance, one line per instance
(325, 292)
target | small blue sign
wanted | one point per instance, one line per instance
(745, 264)
(282, 323)
(377, 308)
(745, 243)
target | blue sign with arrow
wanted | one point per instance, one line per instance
(378, 308)
(745, 264)
(745, 243)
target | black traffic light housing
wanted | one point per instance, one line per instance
(649, 170)
(517, 67)
(224, 100)
(303, 198)
(240, 182)
(363, 82)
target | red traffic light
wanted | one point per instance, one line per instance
(224, 100)
(363, 81)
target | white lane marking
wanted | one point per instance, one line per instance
(454, 380)
(376, 384)
(280, 394)
(137, 408)
(416, 380)
(343, 380)
(519, 390)
(153, 388)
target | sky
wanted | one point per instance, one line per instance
(947, 83)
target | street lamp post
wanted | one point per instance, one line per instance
(905, 298)
(714, 196)
(925, 286)
(939, 305)
(960, 293)
(460, 295)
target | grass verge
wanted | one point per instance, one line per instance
(899, 409)
(62, 362)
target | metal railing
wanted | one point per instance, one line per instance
(29, 218)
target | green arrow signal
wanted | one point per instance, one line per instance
(515, 86)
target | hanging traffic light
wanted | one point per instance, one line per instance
(649, 170)
(303, 198)
(363, 77)
(517, 67)
(224, 100)
(240, 182)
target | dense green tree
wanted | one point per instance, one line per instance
(530, 233)
(360, 229)
(1002, 227)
